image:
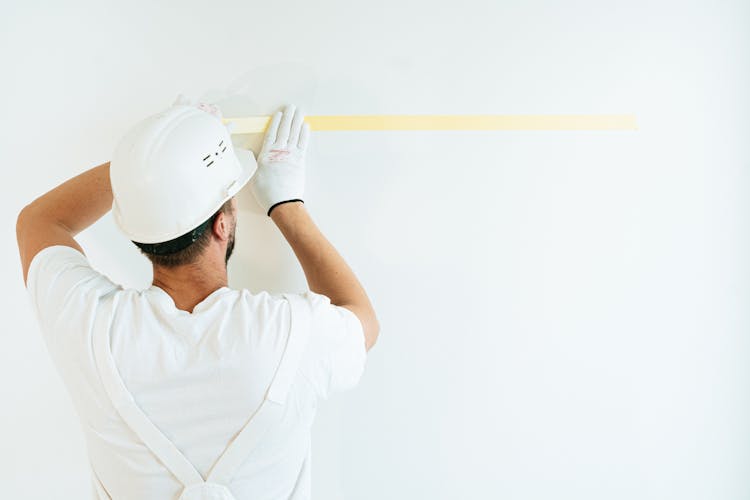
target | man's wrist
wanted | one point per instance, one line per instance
(283, 208)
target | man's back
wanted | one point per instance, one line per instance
(199, 377)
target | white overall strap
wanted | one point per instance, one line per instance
(123, 401)
(271, 409)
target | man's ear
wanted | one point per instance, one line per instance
(222, 226)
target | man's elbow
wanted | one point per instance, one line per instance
(24, 221)
(368, 320)
(30, 215)
(372, 330)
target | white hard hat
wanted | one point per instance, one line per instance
(172, 171)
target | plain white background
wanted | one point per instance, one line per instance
(564, 314)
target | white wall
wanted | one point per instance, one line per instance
(564, 314)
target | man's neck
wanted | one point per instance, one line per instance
(188, 289)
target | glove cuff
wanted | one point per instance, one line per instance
(279, 203)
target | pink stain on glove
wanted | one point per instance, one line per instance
(278, 154)
(210, 108)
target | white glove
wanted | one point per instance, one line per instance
(280, 176)
(204, 106)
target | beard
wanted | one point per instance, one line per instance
(230, 245)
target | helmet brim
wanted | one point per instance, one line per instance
(248, 166)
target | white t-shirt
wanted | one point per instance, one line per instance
(197, 376)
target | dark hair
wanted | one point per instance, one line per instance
(192, 251)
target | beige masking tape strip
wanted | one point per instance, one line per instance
(258, 124)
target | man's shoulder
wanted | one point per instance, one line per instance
(61, 279)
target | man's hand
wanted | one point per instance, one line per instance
(281, 163)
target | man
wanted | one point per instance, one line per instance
(189, 388)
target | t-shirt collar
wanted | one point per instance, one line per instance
(168, 303)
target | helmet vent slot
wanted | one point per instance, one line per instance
(216, 153)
